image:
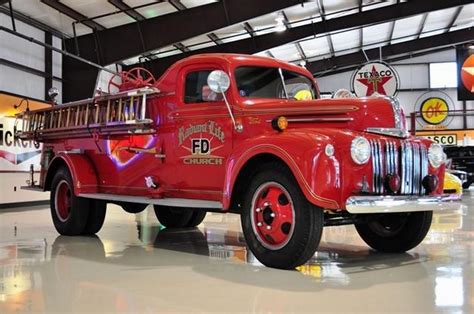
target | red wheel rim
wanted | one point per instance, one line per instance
(273, 215)
(63, 201)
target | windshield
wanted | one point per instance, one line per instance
(260, 82)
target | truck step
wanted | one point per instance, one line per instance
(174, 202)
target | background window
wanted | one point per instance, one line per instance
(443, 75)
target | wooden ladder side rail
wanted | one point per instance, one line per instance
(116, 114)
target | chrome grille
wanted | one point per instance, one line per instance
(409, 162)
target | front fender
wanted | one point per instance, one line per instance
(83, 173)
(304, 154)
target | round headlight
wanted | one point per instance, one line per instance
(360, 150)
(436, 155)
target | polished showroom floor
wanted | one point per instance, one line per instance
(134, 265)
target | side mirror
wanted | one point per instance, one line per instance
(218, 81)
(53, 92)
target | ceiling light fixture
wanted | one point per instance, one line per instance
(280, 25)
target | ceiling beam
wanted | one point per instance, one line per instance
(271, 40)
(64, 9)
(286, 21)
(407, 47)
(301, 51)
(33, 22)
(422, 25)
(177, 4)
(392, 30)
(455, 17)
(119, 4)
(322, 13)
(389, 60)
(361, 30)
(181, 47)
(126, 41)
(249, 29)
(270, 54)
(123, 42)
(215, 38)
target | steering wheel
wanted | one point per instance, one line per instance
(135, 78)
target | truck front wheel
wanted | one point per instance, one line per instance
(281, 227)
(179, 217)
(69, 212)
(395, 233)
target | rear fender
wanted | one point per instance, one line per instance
(84, 175)
(304, 155)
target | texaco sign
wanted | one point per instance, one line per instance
(375, 77)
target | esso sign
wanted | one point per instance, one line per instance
(375, 77)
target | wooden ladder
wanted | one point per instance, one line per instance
(122, 113)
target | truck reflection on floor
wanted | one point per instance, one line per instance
(91, 270)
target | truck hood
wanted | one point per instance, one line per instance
(358, 114)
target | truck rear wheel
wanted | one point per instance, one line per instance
(395, 233)
(179, 217)
(69, 212)
(281, 227)
(96, 218)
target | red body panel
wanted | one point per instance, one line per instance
(181, 128)
(82, 171)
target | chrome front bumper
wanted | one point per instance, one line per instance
(400, 204)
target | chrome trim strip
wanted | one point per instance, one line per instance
(320, 119)
(397, 112)
(403, 168)
(381, 167)
(302, 120)
(175, 202)
(389, 132)
(424, 166)
(75, 151)
(417, 168)
(400, 204)
(376, 171)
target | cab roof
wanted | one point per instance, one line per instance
(238, 59)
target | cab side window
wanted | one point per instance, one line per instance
(196, 89)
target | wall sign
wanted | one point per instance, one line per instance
(375, 77)
(443, 139)
(465, 61)
(433, 109)
(449, 137)
(16, 154)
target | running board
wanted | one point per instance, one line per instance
(174, 202)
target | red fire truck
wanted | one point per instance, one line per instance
(241, 134)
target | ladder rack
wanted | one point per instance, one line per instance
(117, 114)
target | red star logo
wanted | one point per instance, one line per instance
(375, 82)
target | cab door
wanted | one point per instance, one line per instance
(203, 134)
